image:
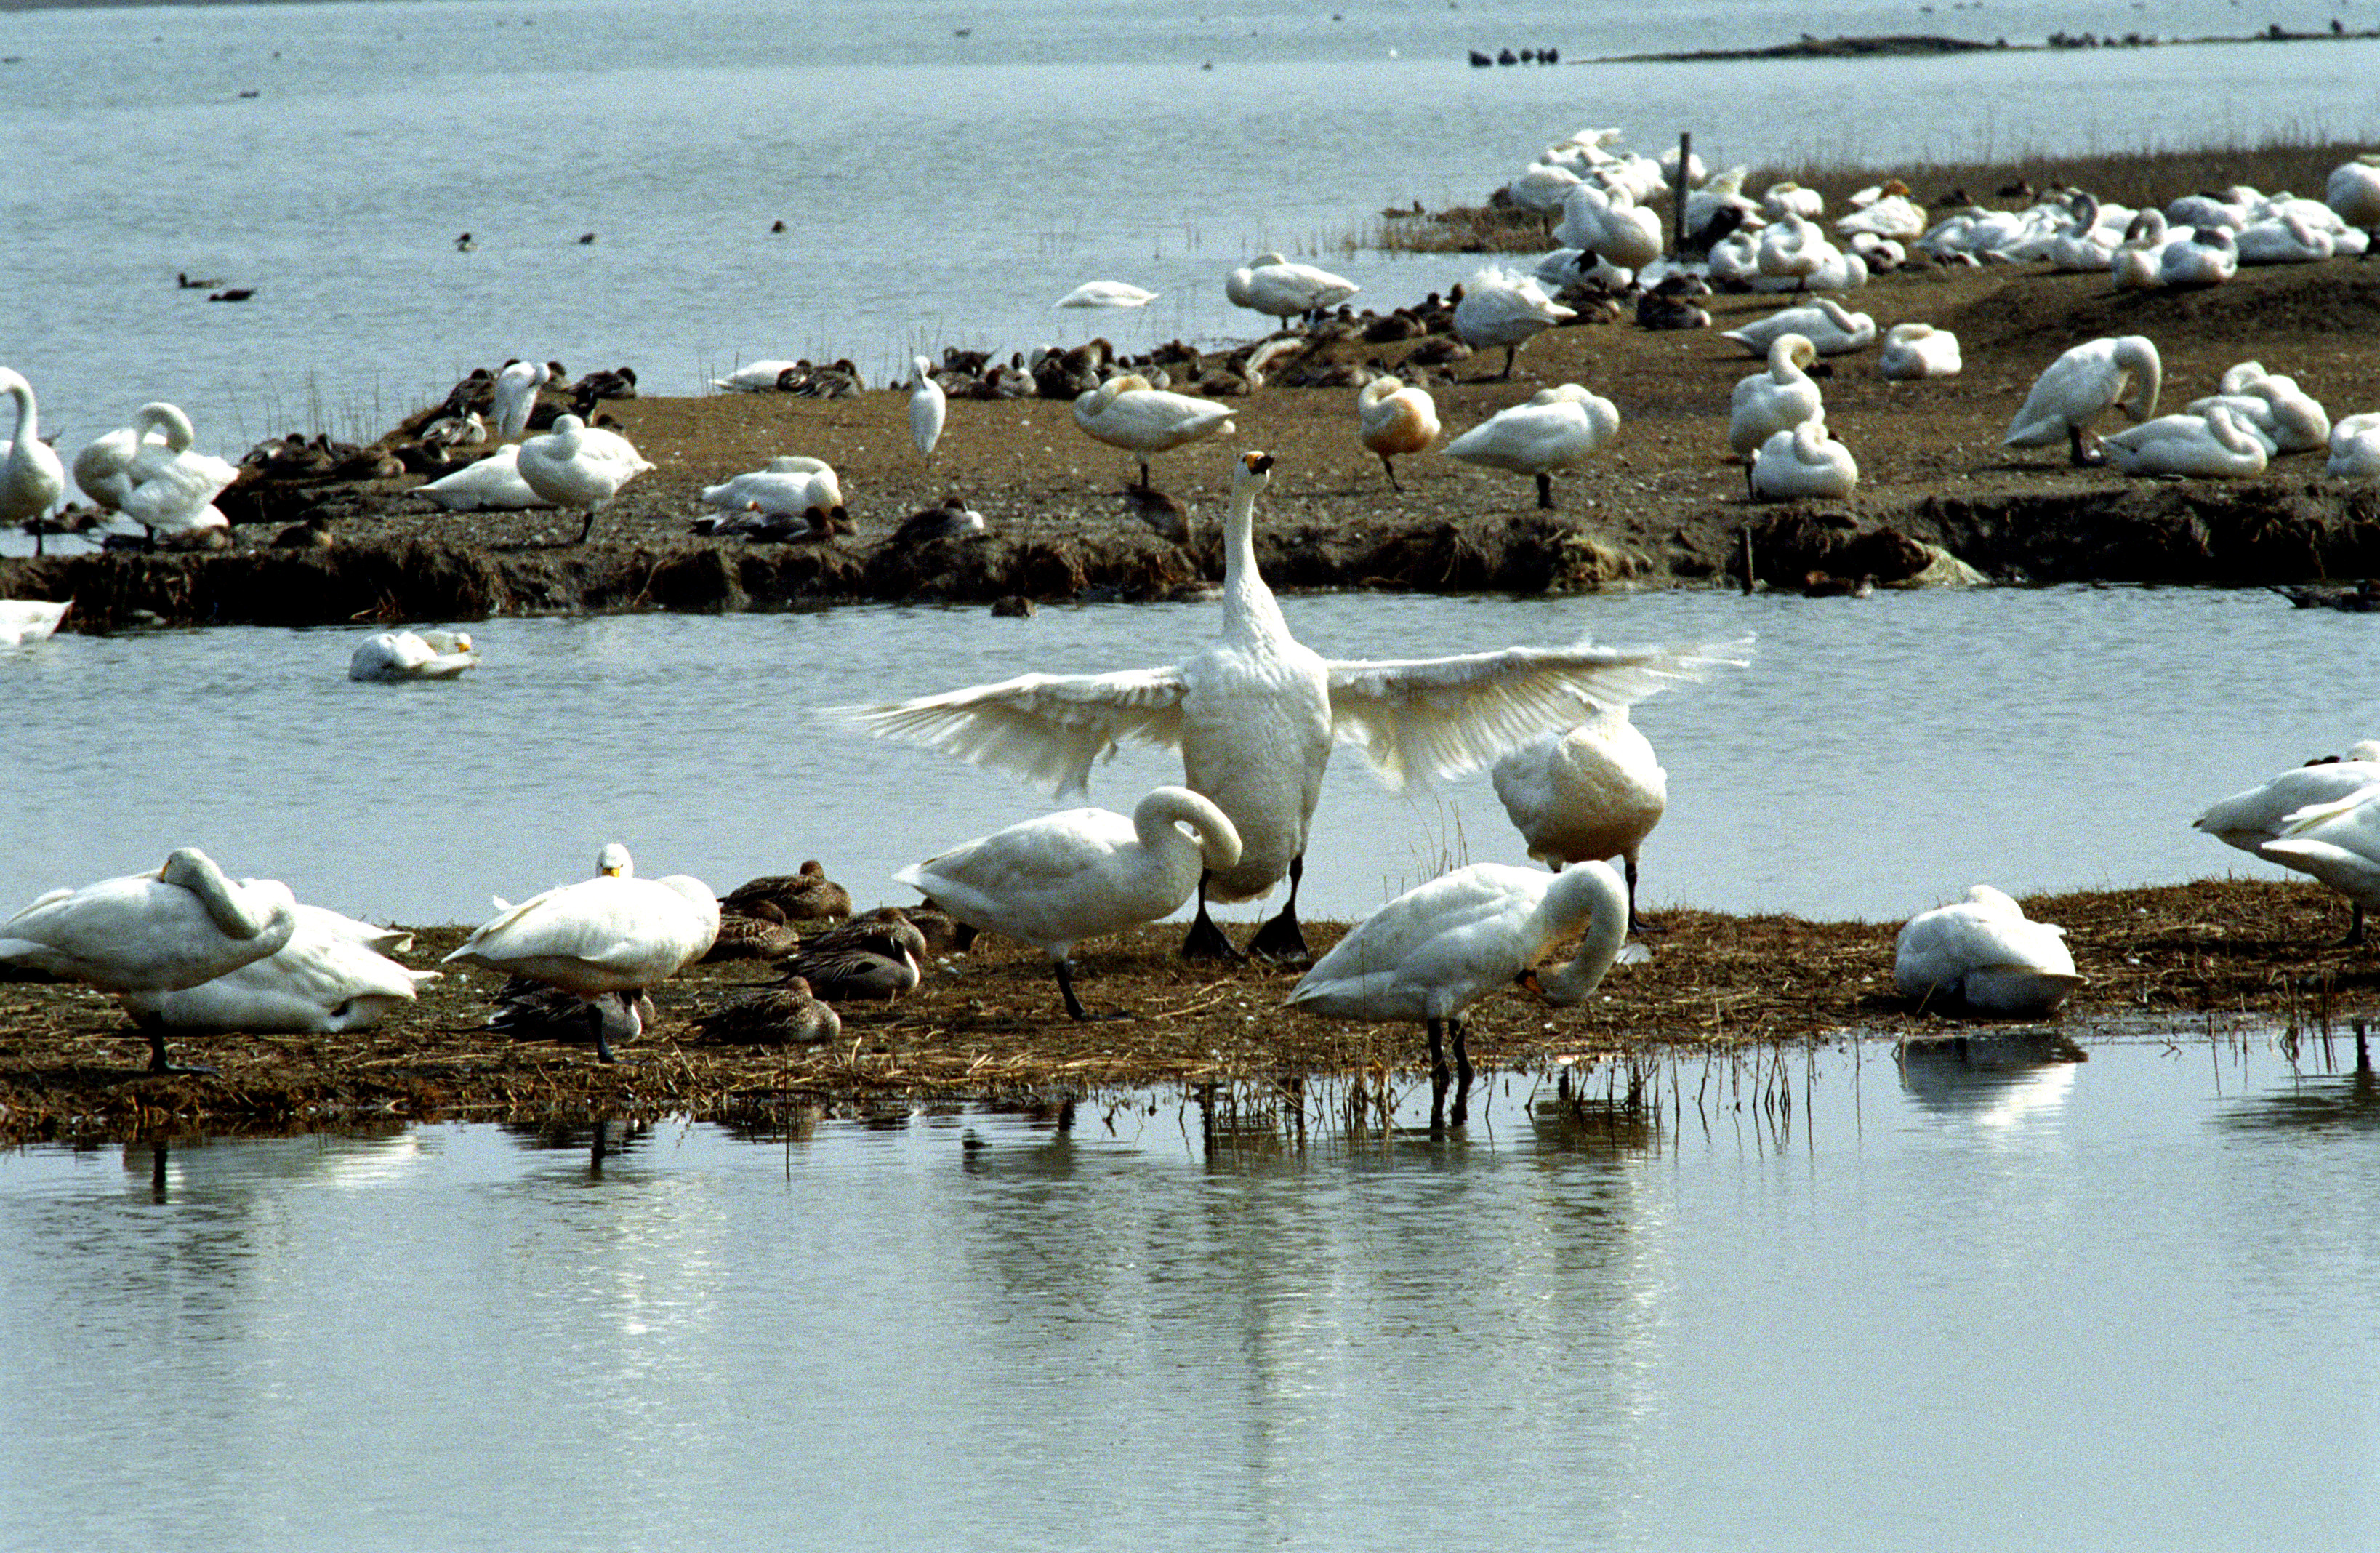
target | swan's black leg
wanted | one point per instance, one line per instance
(1438, 1072)
(1281, 940)
(1546, 491)
(2354, 929)
(1065, 969)
(587, 527)
(1462, 1110)
(157, 1063)
(1635, 923)
(1385, 463)
(1509, 351)
(1206, 940)
(2082, 459)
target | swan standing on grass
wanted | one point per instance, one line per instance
(927, 409)
(1279, 289)
(1777, 400)
(491, 484)
(335, 973)
(1441, 947)
(1913, 351)
(1255, 716)
(32, 478)
(2212, 445)
(1504, 307)
(1592, 794)
(2076, 388)
(605, 938)
(395, 655)
(576, 465)
(1804, 462)
(1107, 293)
(1558, 428)
(2254, 818)
(2337, 842)
(1126, 412)
(515, 397)
(1985, 954)
(26, 621)
(1054, 881)
(176, 927)
(1395, 417)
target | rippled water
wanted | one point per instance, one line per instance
(1999, 1302)
(938, 189)
(1879, 756)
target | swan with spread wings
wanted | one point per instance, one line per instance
(1256, 714)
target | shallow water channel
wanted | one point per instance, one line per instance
(1820, 1299)
(1879, 756)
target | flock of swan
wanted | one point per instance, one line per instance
(1255, 715)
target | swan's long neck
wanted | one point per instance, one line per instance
(29, 423)
(166, 419)
(1158, 816)
(226, 902)
(1607, 900)
(1249, 607)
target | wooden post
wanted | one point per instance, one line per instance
(1678, 194)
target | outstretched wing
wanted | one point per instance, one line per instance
(1048, 728)
(1440, 717)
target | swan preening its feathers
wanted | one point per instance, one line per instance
(2075, 389)
(1985, 954)
(1441, 947)
(400, 655)
(1256, 714)
(1054, 881)
(1395, 417)
(148, 472)
(335, 973)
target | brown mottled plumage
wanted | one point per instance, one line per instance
(759, 933)
(803, 897)
(787, 1015)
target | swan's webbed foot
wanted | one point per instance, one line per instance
(1281, 940)
(1065, 969)
(1206, 941)
(158, 1064)
(2084, 458)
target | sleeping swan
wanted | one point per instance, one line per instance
(1985, 954)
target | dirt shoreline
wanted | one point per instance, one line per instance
(986, 1028)
(1662, 508)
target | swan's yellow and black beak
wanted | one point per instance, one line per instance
(609, 873)
(1257, 463)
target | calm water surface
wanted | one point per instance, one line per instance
(1879, 756)
(2125, 1303)
(937, 188)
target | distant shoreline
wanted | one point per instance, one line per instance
(1920, 46)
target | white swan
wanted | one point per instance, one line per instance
(2283, 416)
(2138, 264)
(1054, 881)
(1542, 186)
(1558, 428)
(395, 655)
(1792, 249)
(26, 621)
(1107, 293)
(148, 472)
(516, 396)
(2210, 257)
(1984, 952)
(1804, 462)
(2286, 238)
(1441, 947)
(1395, 417)
(333, 974)
(2338, 842)
(2355, 447)
(1279, 289)
(758, 377)
(1501, 307)
(576, 465)
(2353, 191)
(1825, 323)
(1913, 351)
(1787, 198)
(1609, 224)
(1256, 714)
(602, 938)
(2073, 390)
(2210, 446)
(491, 484)
(1777, 400)
(2251, 819)
(1592, 794)
(928, 407)
(1894, 214)
(789, 485)
(32, 478)
(1126, 412)
(175, 926)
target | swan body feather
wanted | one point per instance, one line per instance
(1984, 952)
